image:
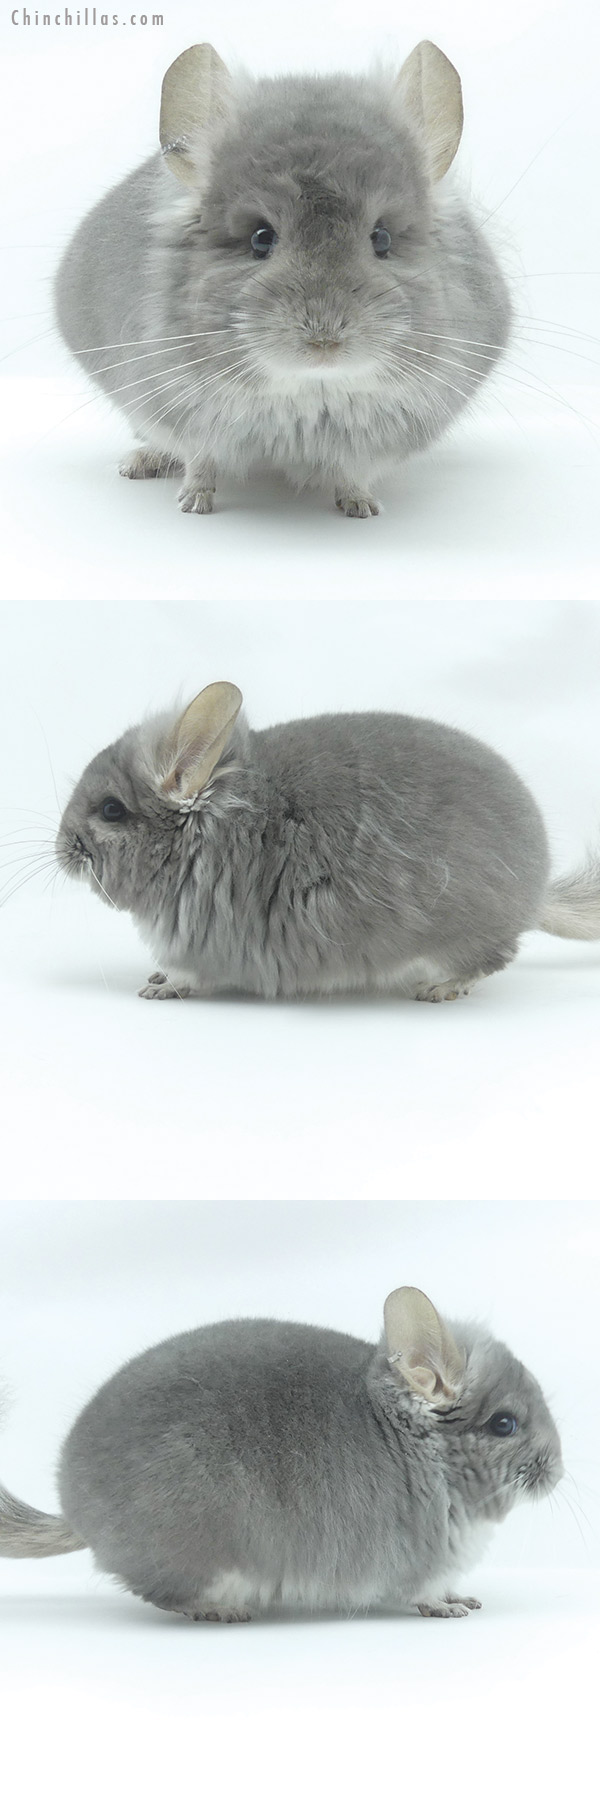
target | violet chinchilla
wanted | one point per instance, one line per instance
(254, 1463)
(309, 293)
(353, 852)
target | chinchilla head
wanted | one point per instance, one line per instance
(496, 1436)
(127, 825)
(314, 198)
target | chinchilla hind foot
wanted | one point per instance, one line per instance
(453, 1607)
(158, 987)
(217, 1617)
(447, 990)
(200, 1615)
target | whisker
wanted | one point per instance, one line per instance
(468, 343)
(27, 343)
(46, 817)
(193, 393)
(12, 887)
(47, 749)
(536, 386)
(525, 171)
(173, 337)
(111, 902)
(174, 369)
(567, 1501)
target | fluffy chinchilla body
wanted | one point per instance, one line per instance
(307, 293)
(351, 852)
(256, 1463)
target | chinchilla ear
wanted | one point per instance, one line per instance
(194, 96)
(431, 94)
(421, 1350)
(198, 740)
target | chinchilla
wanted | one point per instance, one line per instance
(254, 1463)
(352, 852)
(292, 282)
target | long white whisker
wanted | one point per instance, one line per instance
(189, 397)
(112, 902)
(91, 871)
(471, 344)
(174, 369)
(173, 337)
(47, 748)
(525, 171)
(27, 342)
(536, 386)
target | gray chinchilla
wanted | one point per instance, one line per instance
(352, 852)
(257, 1463)
(309, 293)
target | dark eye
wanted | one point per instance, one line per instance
(113, 809)
(262, 241)
(502, 1424)
(381, 240)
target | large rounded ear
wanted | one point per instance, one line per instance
(421, 1350)
(198, 740)
(194, 96)
(431, 94)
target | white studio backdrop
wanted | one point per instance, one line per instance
(98, 1687)
(82, 1289)
(510, 495)
(103, 1095)
(466, 601)
(82, 105)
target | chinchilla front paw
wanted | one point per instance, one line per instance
(148, 465)
(454, 1606)
(198, 492)
(356, 505)
(196, 500)
(158, 987)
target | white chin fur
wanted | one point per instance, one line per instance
(296, 378)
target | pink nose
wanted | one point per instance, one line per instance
(324, 343)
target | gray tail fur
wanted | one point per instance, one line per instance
(25, 1532)
(572, 904)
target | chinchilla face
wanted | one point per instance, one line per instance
(116, 831)
(127, 825)
(315, 253)
(313, 197)
(499, 1436)
(496, 1435)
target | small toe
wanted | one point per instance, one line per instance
(196, 500)
(357, 506)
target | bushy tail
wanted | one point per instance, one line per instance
(25, 1532)
(572, 904)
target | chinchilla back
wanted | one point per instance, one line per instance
(179, 1451)
(341, 868)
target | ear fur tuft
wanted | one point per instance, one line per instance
(421, 1350)
(198, 740)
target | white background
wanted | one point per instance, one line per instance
(513, 490)
(494, 1097)
(81, 1289)
(474, 598)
